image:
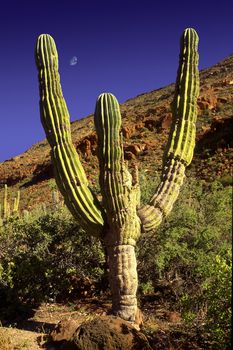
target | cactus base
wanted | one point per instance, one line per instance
(123, 281)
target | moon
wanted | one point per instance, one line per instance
(73, 61)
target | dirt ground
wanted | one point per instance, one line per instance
(32, 333)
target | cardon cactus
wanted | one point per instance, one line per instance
(119, 220)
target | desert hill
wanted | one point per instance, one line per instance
(146, 120)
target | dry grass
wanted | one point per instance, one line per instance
(16, 339)
(5, 340)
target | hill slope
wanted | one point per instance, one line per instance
(146, 122)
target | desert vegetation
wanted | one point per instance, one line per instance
(184, 267)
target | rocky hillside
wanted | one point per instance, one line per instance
(146, 122)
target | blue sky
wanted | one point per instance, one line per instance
(123, 47)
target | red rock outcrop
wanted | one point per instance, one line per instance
(217, 135)
(207, 99)
(87, 146)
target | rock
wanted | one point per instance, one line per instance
(87, 146)
(136, 148)
(151, 124)
(127, 131)
(166, 121)
(207, 100)
(109, 333)
(64, 330)
(217, 135)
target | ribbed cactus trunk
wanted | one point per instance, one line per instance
(123, 280)
(118, 220)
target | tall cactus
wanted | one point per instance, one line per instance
(119, 220)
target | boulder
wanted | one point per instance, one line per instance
(101, 333)
(64, 330)
(109, 333)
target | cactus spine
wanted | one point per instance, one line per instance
(118, 222)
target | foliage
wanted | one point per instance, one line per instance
(48, 257)
(217, 294)
(189, 257)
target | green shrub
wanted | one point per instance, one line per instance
(189, 257)
(48, 257)
(217, 294)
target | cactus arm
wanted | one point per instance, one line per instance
(183, 130)
(181, 141)
(119, 198)
(107, 123)
(69, 173)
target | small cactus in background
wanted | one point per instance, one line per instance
(5, 210)
(6, 204)
(119, 220)
(16, 203)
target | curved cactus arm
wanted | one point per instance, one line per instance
(181, 142)
(69, 173)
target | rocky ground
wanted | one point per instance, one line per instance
(52, 326)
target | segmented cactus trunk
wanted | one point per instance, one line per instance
(123, 280)
(118, 221)
(120, 199)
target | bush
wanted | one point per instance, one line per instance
(217, 295)
(48, 257)
(189, 257)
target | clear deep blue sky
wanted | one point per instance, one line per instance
(124, 47)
